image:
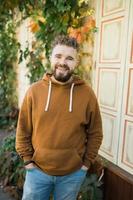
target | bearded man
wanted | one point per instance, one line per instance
(59, 129)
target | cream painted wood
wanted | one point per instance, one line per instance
(130, 94)
(113, 6)
(110, 76)
(111, 54)
(111, 40)
(109, 147)
(125, 156)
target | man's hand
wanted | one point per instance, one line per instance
(30, 166)
(84, 167)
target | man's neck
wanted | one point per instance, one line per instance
(62, 83)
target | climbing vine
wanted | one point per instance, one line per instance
(73, 18)
(47, 19)
(9, 47)
(8, 56)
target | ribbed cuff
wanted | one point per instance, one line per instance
(27, 158)
(28, 162)
(87, 163)
(84, 168)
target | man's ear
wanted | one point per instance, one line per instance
(78, 60)
(50, 57)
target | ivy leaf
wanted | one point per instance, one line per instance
(26, 52)
(20, 57)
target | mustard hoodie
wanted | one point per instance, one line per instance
(59, 126)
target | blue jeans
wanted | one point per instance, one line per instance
(39, 185)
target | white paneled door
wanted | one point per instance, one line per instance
(114, 79)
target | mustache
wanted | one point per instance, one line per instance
(62, 66)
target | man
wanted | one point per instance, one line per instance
(59, 128)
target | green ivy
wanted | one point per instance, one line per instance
(59, 16)
(36, 69)
(11, 166)
(91, 189)
(8, 56)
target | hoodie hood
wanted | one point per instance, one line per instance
(73, 81)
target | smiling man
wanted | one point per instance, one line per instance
(63, 62)
(59, 128)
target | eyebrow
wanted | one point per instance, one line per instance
(58, 54)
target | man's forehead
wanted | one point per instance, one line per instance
(65, 50)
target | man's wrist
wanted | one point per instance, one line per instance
(28, 162)
(84, 167)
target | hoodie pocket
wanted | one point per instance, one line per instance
(57, 159)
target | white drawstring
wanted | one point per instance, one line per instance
(49, 94)
(48, 98)
(71, 97)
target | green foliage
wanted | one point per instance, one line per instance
(11, 167)
(91, 188)
(57, 20)
(26, 7)
(36, 69)
(8, 56)
(58, 17)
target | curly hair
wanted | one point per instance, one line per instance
(65, 40)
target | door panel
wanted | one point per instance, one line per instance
(114, 79)
(111, 40)
(110, 7)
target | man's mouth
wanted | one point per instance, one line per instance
(62, 68)
(62, 72)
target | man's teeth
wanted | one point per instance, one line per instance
(62, 69)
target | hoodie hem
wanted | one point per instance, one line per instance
(59, 173)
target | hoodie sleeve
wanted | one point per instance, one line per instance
(24, 129)
(94, 131)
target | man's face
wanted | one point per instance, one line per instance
(64, 59)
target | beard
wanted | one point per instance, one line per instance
(62, 75)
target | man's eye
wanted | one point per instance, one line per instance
(58, 56)
(69, 58)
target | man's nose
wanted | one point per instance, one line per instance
(62, 61)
